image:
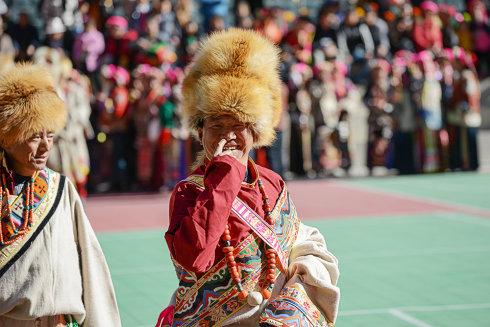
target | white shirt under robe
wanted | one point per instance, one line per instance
(62, 272)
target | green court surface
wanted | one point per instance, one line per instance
(469, 188)
(431, 269)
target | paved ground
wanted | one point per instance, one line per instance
(413, 251)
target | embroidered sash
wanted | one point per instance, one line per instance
(261, 228)
(211, 299)
(47, 193)
(41, 185)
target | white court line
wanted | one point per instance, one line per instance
(408, 318)
(449, 307)
(429, 308)
(452, 217)
(393, 254)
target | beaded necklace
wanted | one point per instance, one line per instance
(270, 253)
(9, 232)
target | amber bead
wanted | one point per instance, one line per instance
(243, 295)
(265, 293)
(228, 249)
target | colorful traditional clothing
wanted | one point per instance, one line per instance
(200, 207)
(464, 120)
(56, 273)
(241, 253)
(52, 270)
(70, 155)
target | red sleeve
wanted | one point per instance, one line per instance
(197, 219)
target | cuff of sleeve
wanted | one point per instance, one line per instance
(221, 168)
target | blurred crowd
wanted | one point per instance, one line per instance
(381, 87)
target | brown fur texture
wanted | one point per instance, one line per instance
(235, 73)
(28, 104)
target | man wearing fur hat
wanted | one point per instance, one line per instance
(52, 269)
(241, 254)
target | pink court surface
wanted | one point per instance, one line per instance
(413, 251)
(317, 199)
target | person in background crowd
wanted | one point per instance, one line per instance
(243, 15)
(168, 27)
(6, 44)
(57, 36)
(139, 13)
(51, 58)
(430, 114)
(380, 119)
(271, 23)
(299, 40)
(147, 97)
(444, 61)
(302, 124)
(379, 31)
(114, 117)
(67, 10)
(168, 152)
(356, 45)
(150, 37)
(25, 37)
(184, 11)
(465, 117)
(213, 10)
(447, 15)
(427, 30)
(216, 23)
(326, 117)
(120, 43)
(3, 8)
(404, 114)
(480, 28)
(328, 24)
(401, 31)
(87, 49)
(464, 34)
(70, 153)
(189, 46)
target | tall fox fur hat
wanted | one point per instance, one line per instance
(235, 72)
(28, 104)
